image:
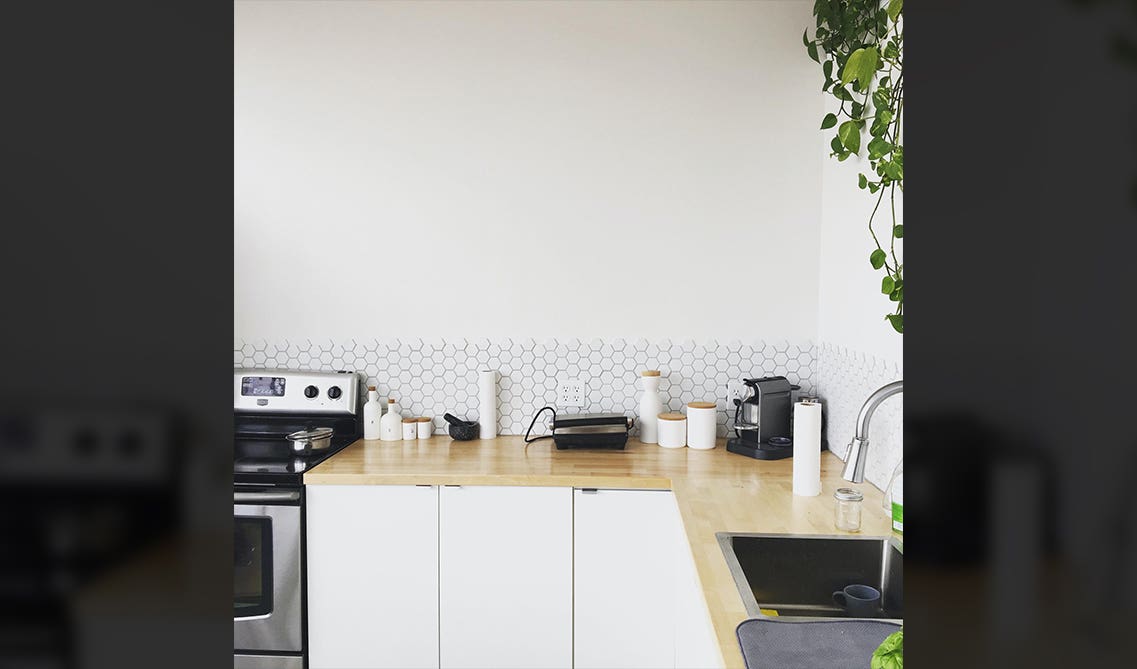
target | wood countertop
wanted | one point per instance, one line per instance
(716, 491)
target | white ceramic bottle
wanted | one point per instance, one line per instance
(651, 405)
(391, 424)
(372, 411)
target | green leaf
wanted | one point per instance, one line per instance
(858, 109)
(887, 285)
(898, 231)
(829, 121)
(894, 9)
(877, 259)
(836, 145)
(897, 321)
(861, 66)
(890, 653)
(827, 69)
(862, 181)
(840, 93)
(805, 37)
(811, 49)
(850, 134)
(879, 147)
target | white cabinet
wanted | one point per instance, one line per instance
(372, 576)
(624, 557)
(696, 646)
(505, 577)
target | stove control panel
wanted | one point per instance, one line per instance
(277, 390)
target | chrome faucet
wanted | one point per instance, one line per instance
(858, 447)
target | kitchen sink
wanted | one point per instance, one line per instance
(796, 575)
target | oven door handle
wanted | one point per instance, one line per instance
(254, 497)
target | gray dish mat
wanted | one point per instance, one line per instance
(769, 643)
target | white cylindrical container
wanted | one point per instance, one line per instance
(391, 424)
(487, 404)
(807, 448)
(701, 426)
(651, 405)
(425, 427)
(410, 429)
(672, 430)
(372, 411)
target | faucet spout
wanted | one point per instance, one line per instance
(858, 448)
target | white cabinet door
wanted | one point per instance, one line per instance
(372, 576)
(696, 646)
(624, 578)
(505, 577)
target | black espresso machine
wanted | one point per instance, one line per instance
(763, 420)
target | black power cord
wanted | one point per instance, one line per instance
(534, 422)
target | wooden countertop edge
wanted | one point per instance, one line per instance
(537, 480)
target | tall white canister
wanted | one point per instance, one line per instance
(651, 405)
(701, 425)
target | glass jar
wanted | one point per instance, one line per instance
(848, 509)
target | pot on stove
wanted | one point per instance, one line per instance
(308, 441)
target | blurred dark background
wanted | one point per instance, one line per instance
(115, 257)
(1019, 352)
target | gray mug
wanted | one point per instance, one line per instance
(861, 601)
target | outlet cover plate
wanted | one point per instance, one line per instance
(570, 393)
(735, 389)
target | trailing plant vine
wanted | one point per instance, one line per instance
(859, 45)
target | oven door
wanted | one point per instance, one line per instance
(266, 571)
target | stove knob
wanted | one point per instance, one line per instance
(311, 391)
(334, 392)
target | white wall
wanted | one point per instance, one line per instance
(515, 168)
(858, 349)
(852, 308)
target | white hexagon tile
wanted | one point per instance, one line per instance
(431, 377)
(845, 379)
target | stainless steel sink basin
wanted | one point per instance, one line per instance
(796, 575)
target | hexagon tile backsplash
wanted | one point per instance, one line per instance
(845, 379)
(431, 377)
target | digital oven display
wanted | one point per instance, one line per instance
(262, 386)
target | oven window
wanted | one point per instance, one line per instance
(252, 566)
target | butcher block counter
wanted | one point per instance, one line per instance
(716, 491)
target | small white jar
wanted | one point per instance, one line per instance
(410, 429)
(672, 430)
(701, 426)
(425, 427)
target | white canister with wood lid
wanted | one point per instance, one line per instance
(701, 426)
(651, 405)
(672, 430)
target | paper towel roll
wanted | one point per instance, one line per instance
(807, 449)
(487, 404)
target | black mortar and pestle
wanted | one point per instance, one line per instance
(461, 430)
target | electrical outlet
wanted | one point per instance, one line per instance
(735, 389)
(570, 393)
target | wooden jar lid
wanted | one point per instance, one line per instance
(371, 387)
(701, 405)
(410, 420)
(390, 400)
(672, 416)
(423, 419)
(650, 372)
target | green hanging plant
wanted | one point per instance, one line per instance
(860, 45)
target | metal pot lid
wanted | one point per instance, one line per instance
(314, 433)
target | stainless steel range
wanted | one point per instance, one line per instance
(277, 415)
